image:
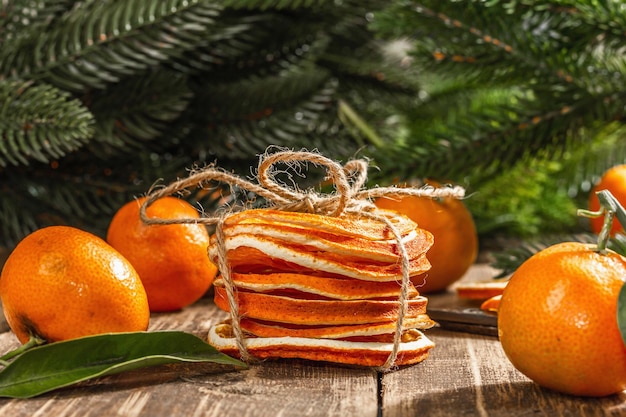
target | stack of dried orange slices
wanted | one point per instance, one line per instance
(323, 288)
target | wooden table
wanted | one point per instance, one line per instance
(466, 374)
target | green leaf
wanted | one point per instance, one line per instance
(60, 364)
(621, 312)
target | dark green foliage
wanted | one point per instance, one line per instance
(39, 122)
(508, 87)
(511, 79)
(101, 99)
(530, 199)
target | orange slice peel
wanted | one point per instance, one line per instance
(414, 348)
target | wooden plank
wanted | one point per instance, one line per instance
(466, 374)
(287, 388)
(469, 374)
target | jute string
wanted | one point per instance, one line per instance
(348, 197)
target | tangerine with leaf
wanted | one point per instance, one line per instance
(63, 283)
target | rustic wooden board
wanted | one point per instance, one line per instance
(469, 375)
(286, 388)
(466, 374)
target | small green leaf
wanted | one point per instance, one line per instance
(621, 312)
(55, 365)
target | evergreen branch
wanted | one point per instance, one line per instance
(13, 224)
(506, 133)
(138, 109)
(294, 111)
(19, 17)
(39, 122)
(78, 190)
(531, 41)
(265, 96)
(583, 165)
(97, 43)
(257, 45)
(272, 4)
(607, 16)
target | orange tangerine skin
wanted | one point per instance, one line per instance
(171, 260)
(557, 320)
(614, 180)
(62, 283)
(456, 242)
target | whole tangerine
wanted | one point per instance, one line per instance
(171, 259)
(456, 242)
(614, 180)
(557, 320)
(63, 283)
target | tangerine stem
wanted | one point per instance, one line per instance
(605, 232)
(32, 342)
(611, 208)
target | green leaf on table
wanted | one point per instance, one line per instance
(55, 365)
(621, 312)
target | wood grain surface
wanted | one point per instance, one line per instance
(467, 374)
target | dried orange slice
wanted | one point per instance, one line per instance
(349, 224)
(481, 290)
(331, 287)
(252, 254)
(491, 304)
(315, 312)
(350, 246)
(261, 328)
(414, 348)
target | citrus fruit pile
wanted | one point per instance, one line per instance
(456, 241)
(323, 288)
(63, 283)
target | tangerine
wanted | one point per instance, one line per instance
(456, 241)
(614, 180)
(172, 259)
(557, 320)
(62, 283)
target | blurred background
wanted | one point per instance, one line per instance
(520, 102)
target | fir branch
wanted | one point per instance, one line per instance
(290, 110)
(272, 4)
(264, 95)
(545, 56)
(78, 190)
(97, 43)
(39, 122)
(255, 45)
(19, 17)
(138, 110)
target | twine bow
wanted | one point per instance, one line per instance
(349, 197)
